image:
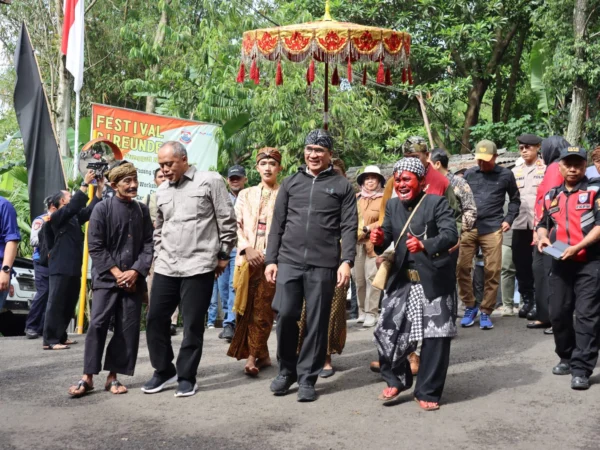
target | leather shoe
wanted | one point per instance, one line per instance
(31, 334)
(532, 314)
(537, 325)
(580, 383)
(561, 369)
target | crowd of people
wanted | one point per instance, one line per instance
(413, 247)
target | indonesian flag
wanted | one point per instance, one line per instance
(72, 39)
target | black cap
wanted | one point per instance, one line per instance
(573, 151)
(529, 139)
(236, 171)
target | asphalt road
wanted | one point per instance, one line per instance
(499, 394)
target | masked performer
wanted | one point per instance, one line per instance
(420, 300)
(254, 211)
(120, 244)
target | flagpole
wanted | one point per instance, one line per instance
(76, 149)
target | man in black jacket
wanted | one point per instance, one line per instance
(65, 260)
(420, 295)
(315, 208)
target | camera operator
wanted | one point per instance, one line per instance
(65, 259)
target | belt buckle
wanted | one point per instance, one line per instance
(413, 276)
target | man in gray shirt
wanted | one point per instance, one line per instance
(195, 233)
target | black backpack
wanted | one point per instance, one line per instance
(45, 243)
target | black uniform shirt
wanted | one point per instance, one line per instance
(120, 234)
(489, 190)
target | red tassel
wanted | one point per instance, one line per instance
(241, 74)
(253, 70)
(257, 75)
(335, 78)
(279, 75)
(388, 77)
(349, 71)
(308, 76)
(311, 72)
(381, 74)
(410, 79)
(364, 77)
(404, 76)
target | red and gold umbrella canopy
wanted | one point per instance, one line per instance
(330, 42)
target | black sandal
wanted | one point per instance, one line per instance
(117, 384)
(56, 347)
(86, 388)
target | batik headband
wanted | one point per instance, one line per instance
(123, 170)
(268, 152)
(412, 165)
(321, 138)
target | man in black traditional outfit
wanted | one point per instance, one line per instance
(420, 295)
(120, 244)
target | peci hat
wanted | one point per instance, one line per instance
(573, 151)
(415, 144)
(373, 170)
(485, 150)
(529, 139)
(236, 171)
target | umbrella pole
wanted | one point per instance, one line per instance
(326, 106)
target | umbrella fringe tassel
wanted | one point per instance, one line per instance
(364, 77)
(349, 71)
(388, 77)
(279, 75)
(241, 74)
(381, 73)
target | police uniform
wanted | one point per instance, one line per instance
(34, 324)
(575, 282)
(528, 179)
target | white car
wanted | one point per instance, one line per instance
(22, 287)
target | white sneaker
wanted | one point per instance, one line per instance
(211, 327)
(361, 318)
(508, 311)
(370, 321)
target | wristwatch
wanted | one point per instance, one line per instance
(223, 256)
(84, 185)
(6, 269)
(347, 261)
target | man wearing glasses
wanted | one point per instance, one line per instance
(315, 209)
(528, 174)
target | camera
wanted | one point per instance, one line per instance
(99, 168)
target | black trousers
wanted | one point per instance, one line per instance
(435, 359)
(294, 284)
(542, 265)
(62, 299)
(522, 252)
(167, 293)
(575, 287)
(37, 311)
(122, 350)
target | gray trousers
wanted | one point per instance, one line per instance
(294, 285)
(507, 277)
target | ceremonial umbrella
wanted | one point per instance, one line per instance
(330, 42)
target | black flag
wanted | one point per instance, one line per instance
(44, 166)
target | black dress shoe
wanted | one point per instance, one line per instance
(580, 383)
(536, 325)
(548, 331)
(306, 393)
(561, 369)
(532, 315)
(227, 333)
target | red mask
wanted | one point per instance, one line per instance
(407, 186)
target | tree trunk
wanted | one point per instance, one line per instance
(497, 100)
(472, 114)
(62, 113)
(579, 101)
(159, 39)
(511, 91)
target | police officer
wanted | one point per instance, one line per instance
(574, 209)
(528, 175)
(34, 325)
